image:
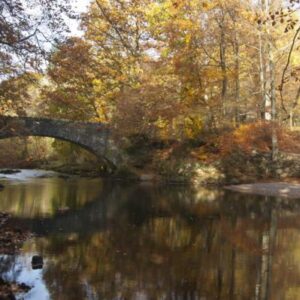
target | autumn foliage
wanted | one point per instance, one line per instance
(167, 70)
(256, 138)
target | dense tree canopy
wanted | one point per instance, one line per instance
(167, 69)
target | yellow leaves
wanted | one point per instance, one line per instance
(193, 126)
(158, 15)
(200, 154)
(7, 107)
(248, 15)
(98, 85)
(208, 5)
(162, 125)
(173, 15)
(157, 11)
(185, 24)
(295, 61)
(214, 73)
(165, 52)
(205, 5)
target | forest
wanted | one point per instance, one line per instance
(191, 89)
(150, 149)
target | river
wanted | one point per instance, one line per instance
(108, 240)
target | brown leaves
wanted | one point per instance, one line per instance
(281, 16)
(11, 238)
(247, 138)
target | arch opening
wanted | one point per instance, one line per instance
(94, 137)
(49, 153)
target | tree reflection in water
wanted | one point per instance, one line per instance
(171, 243)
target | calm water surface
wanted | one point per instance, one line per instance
(102, 240)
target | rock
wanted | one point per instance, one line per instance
(64, 209)
(147, 177)
(24, 287)
(9, 171)
(37, 262)
(234, 181)
(9, 289)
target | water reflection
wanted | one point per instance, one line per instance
(47, 196)
(134, 242)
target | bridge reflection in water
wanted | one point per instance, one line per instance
(145, 242)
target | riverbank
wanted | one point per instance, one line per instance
(236, 168)
(12, 238)
(274, 189)
(233, 169)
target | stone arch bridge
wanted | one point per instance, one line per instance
(94, 137)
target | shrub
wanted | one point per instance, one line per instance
(248, 138)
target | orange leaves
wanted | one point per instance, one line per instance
(71, 60)
(247, 138)
(257, 137)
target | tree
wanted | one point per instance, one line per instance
(18, 94)
(206, 58)
(27, 30)
(72, 91)
(118, 33)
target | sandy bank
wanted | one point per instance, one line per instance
(279, 189)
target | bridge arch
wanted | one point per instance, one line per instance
(94, 137)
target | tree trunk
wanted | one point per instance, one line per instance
(223, 67)
(262, 77)
(271, 69)
(269, 92)
(273, 105)
(237, 78)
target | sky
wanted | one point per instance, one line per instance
(79, 6)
